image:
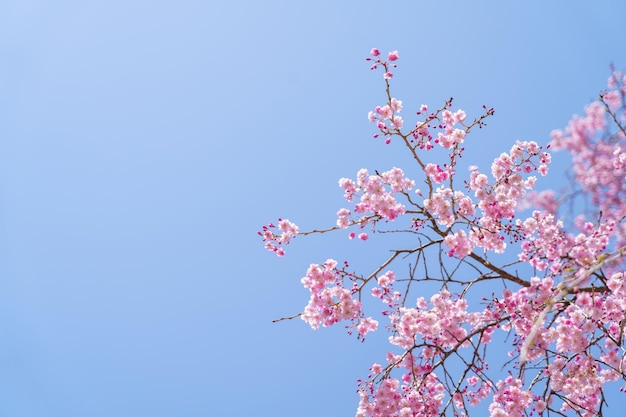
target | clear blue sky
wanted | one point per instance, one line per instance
(143, 143)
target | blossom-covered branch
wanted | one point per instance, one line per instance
(503, 261)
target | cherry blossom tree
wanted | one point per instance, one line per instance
(558, 300)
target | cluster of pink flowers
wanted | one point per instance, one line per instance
(474, 397)
(391, 57)
(438, 174)
(574, 373)
(619, 160)
(330, 301)
(459, 244)
(522, 310)
(499, 201)
(598, 161)
(440, 206)
(377, 195)
(406, 398)
(567, 323)
(545, 241)
(580, 380)
(510, 400)
(386, 117)
(273, 241)
(451, 136)
(385, 291)
(548, 246)
(441, 325)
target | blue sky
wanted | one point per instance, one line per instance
(143, 144)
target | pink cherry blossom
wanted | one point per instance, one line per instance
(556, 296)
(459, 244)
(274, 241)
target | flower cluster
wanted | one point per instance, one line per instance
(523, 309)
(598, 160)
(274, 241)
(330, 301)
(440, 325)
(391, 57)
(510, 400)
(402, 398)
(451, 136)
(499, 201)
(545, 241)
(385, 291)
(377, 195)
(580, 381)
(386, 117)
(459, 244)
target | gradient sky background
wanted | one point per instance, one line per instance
(143, 144)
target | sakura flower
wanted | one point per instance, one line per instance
(393, 55)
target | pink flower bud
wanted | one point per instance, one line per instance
(393, 55)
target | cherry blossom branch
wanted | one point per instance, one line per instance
(562, 301)
(564, 288)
